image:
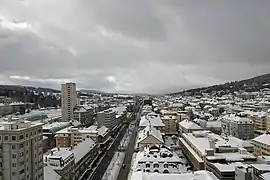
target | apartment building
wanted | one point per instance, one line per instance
(21, 150)
(148, 136)
(154, 120)
(240, 127)
(72, 136)
(83, 114)
(268, 124)
(69, 100)
(107, 118)
(262, 145)
(170, 123)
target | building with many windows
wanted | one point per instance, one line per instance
(107, 118)
(262, 145)
(240, 127)
(69, 100)
(21, 150)
(84, 114)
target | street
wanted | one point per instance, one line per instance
(96, 173)
(123, 174)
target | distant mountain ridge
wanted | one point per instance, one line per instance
(249, 85)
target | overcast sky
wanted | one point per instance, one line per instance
(149, 46)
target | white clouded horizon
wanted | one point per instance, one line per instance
(150, 46)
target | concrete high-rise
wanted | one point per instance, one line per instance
(21, 150)
(69, 100)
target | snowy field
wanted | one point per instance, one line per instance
(114, 167)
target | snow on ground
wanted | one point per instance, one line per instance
(132, 166)
(114, 167)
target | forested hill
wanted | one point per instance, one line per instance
(43, 97)
(248, 85)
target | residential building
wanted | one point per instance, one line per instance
(69, 100)
(170, 123)
(268, 124)
(187, 126)
(21, 150)
(148, 136)
(84, 114)
(159, 159)
(154, 120)
(72, 136)
(262, 145)
(107, 118)
(240, 127)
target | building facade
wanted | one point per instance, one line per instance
(262, 145)
(107, 118)
(170, 124)
(84, 114)
(21, 150)
(68, 100)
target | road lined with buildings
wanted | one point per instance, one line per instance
(124, 172)
(98, 172)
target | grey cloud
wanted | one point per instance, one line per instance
(151, 46)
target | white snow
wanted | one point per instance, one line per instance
(114, 167)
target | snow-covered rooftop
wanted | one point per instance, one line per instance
(197, 175)
(189, 125)
(149, 130)
(50, 173)
(154, 121)
(264, 139)
(83, 148)
(201, 140)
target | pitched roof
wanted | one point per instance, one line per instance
(150, 131)
(154, 121)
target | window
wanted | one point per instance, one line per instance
(0, 138)
(21, 137)
(14, 173)
(13, 147)
(6, 138)
(166, 165)
(13, 138)
(156, 165)
(14, 155)
(26, 135)
(21, 145)
(14, 165)
(21, 163)
(22, 171)
(147, 165)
